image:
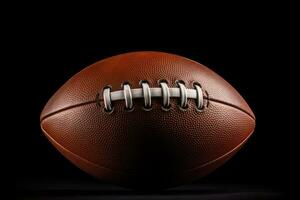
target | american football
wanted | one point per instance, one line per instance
(147, 119)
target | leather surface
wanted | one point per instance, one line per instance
(137, 66)
(166, 147)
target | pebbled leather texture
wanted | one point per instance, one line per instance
(158, 148)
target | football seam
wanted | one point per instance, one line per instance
(232, 105)
(124, 173)
(100, 100)
(218, 158)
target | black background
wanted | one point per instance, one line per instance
(248, 52)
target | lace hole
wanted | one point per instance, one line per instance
(200, 109)
(125, 83)
(107, 86)
(179, 81)
(143, 81)
(185, 108)
(108, 111)
(147, 108)
(196, 83)
(129, 109)
(166, 108)
(162, 81)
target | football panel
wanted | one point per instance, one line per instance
(137, 66)
(129, 141)
(151, 179)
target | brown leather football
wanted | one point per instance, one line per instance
(147, 119)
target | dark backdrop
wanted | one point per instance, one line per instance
(245, 54)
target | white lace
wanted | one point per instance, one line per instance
(164, 92)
